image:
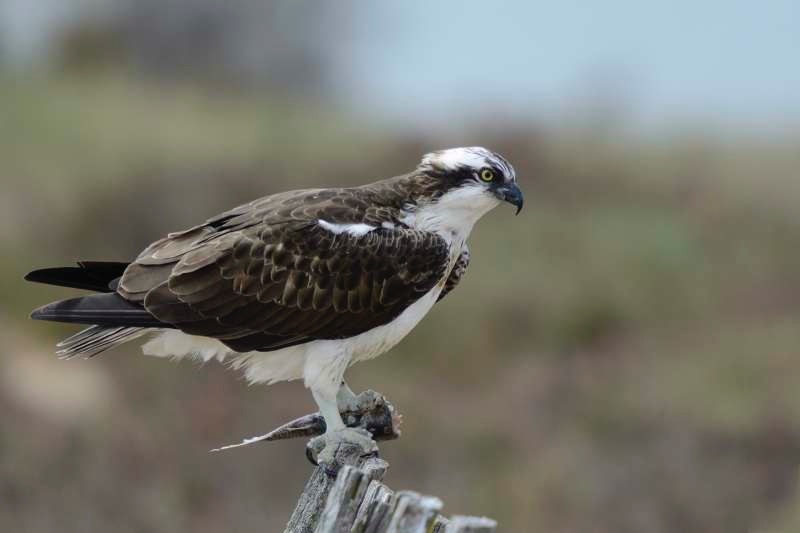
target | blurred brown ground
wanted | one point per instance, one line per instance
(621, 357)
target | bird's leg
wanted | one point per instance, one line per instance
(322, 449)
(329, 409)
(345, 397)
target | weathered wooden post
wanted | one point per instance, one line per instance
(349, 496)
(354, 500)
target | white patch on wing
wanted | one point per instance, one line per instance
(356, 230)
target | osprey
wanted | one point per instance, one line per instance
(299, 284)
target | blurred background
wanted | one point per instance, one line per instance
(621, 357)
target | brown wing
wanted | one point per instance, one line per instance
(458, 271)
(266, 275)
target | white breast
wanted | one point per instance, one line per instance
(381, 339)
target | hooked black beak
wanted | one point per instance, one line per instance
(512, 194)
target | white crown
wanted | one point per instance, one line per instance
(474, 157)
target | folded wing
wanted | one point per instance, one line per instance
(263, 282)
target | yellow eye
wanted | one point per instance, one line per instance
(487, 174)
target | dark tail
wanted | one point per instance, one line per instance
(113, 319)
(98, 276)
(107, 309)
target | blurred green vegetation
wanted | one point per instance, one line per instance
(623, 356)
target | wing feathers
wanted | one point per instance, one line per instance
(139, 279)
(269, 272)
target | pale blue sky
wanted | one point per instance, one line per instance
(728, 61)
(707, 61)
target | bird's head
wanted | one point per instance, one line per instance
(477, 176)
(454, 188)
